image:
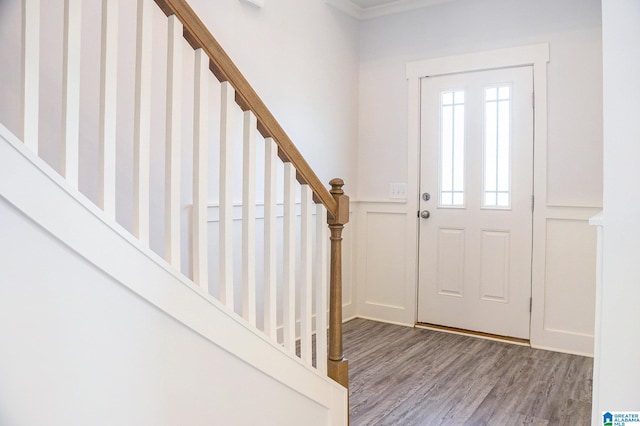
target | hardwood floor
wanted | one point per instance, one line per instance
(409, 376)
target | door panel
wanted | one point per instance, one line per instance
(477, 165)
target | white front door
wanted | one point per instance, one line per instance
(477, 169)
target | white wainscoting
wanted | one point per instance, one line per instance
(563, 281)
(349, 291)
(564, 274)
(386, 262)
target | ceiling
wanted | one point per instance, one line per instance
(367, 9)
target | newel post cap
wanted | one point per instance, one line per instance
(336, 186)
(342, 200)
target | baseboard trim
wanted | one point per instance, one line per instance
(345, 320)
(562, 350)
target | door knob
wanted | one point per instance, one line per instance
(425, 214)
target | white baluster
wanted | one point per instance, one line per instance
(270, 236)
(249, 219)
(142, 123)
(289, 259)
(71, 91)
(173, 144)
(321, 286)
(108, 107)
(31, 70)
(306, 247)
(200, 169)
(226, 195)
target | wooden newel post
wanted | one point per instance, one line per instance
(337, 366)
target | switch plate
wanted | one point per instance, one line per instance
(398, 190)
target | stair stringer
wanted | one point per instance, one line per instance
(60, 223)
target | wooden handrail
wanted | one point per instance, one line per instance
(198, 36)
(335, 201)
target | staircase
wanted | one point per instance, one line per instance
(191, 309)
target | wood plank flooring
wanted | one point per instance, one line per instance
(409, 376)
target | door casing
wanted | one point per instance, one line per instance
(535, 55)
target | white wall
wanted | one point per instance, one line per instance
(572, 27)
(302, 59)
(619, 346)
(574, 150)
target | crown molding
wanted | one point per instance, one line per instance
(393, 6)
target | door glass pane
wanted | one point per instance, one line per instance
(452, 140)
(497, 147)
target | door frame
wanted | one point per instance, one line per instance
(536, 56)
(506, 317)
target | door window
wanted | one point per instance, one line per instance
(452, 141)
(497, 147)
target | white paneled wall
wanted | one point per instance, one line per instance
(569, 290)
(563, 316)
(385, 290)
(563, 308)
(569, 279)
(384, 273)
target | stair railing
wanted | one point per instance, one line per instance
(332, 207)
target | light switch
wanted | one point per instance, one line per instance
(398, 190)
